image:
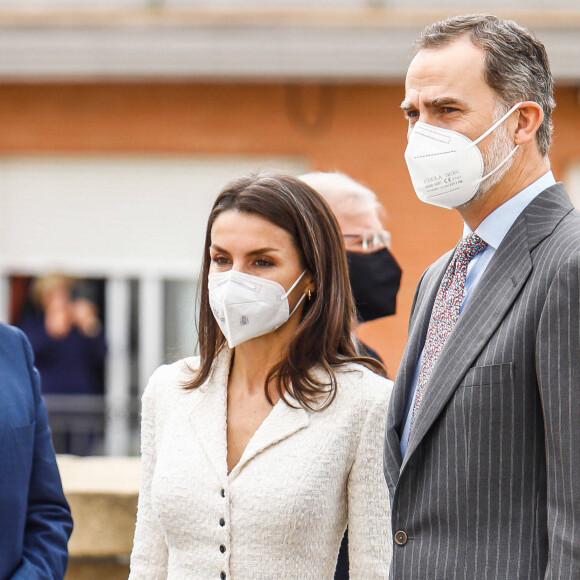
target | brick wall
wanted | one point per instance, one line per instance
(357, 129)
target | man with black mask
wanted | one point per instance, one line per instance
(374, 273)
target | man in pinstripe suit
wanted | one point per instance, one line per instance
(482, 458)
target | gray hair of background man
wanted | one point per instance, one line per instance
(516, 64)
(337, 188)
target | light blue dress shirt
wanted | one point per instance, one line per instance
(492, 230)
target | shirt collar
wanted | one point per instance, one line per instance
(496, 225)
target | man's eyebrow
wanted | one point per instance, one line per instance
(436, 102)
(442, 102)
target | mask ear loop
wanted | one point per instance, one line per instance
(297, 305)
(496, 124)
(492, 128)
(285, 296)
(478, 181)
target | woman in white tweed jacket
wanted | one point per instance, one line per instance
(258, 453)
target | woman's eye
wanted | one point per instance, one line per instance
(220, 260)
(261, 263)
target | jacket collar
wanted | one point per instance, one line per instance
(208, 418)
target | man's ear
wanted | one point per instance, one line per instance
(529, 119)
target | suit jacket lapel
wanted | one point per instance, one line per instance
(427, 290)
(478, 321)
(501, 283)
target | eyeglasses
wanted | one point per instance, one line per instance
(367, 241)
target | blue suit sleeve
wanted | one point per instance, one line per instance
(48, 519)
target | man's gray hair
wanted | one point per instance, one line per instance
(516, 62)
(342, 191)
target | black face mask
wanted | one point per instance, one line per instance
(375, 279)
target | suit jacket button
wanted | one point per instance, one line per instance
(400, 538)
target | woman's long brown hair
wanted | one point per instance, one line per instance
(323, 337)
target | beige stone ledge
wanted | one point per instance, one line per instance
(96, 569)
(102, 493)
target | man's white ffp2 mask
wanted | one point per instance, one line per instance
(247, 306)
(446, 167)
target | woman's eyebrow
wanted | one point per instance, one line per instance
(252, 253)
(262, 251)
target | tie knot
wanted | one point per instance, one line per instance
(470, 246)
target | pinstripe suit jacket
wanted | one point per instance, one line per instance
(490, 484)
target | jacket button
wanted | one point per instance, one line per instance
(222, 548)
(400, 538)
(222, 522)
(223, 576)
(223, 493)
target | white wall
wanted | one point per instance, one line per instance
(104, 215)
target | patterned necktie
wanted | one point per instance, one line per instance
(445, 311)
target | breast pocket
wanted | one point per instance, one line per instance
(491, 405)
(485, 396)
(489, 375)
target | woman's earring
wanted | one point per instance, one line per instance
(309, 295)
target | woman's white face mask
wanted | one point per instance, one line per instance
(447, 167)
(247, 306)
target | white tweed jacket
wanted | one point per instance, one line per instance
(281, 512)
